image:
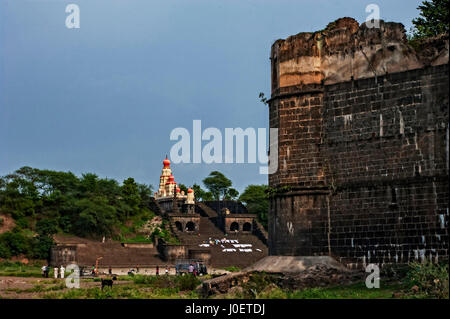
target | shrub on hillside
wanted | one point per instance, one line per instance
(14, 244)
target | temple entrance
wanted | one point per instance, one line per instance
(190, 226)
(247, 227)
(234, 226)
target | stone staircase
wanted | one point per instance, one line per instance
(219, 258)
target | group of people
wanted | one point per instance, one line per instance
(201, 270)
(213, 242)
(56, 271)
(166, 271)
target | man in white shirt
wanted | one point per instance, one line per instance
(44, 268)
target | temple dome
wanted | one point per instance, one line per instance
(166, 162)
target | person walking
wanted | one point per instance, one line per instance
(55, 272)
(110, 270)
(44, 268)
(61, 271)
(191, 269)
(157, 270)
(167, 270)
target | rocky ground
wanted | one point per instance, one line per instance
(314, 276)
(320, 276)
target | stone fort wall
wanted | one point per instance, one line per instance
(362, 145)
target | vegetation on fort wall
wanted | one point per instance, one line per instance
(45, 202)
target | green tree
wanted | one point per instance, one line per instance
(131, 197)
(42, 246)
(256, 200)
(217, 184)
(200, 194)
(44, 201)
(232, 194)
(433, 19)
(96, 217)
(89, 183)
(183, 188)
(14, 243)
(46, 227)
(145, 194)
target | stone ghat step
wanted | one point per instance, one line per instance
(219, 258)
(206, 229)
(206, 211)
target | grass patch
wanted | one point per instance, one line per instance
(179, 283)
(354, 291)
(122, 292)
(138, 239)
(18, 269)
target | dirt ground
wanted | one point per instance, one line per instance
(8, 223)
(18, 287)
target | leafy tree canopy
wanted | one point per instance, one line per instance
(45, 202)
(201, 194)
(433, 19)
(256, 200)
(218, 184)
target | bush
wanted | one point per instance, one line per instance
(19, 243)
(4, 251)
(42, 246)
(187, 282)
(22, 223)
(257, 282)
(15, 243)
(430, 278)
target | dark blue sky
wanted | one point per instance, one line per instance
(104, 98)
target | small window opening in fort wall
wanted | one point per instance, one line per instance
(234, 226)
(247, 227)
(190, 226)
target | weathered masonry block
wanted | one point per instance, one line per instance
(363, 145)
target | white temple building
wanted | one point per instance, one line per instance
(168, 187)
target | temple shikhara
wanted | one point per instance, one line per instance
(168, 187)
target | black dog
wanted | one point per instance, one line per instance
(107, 282)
